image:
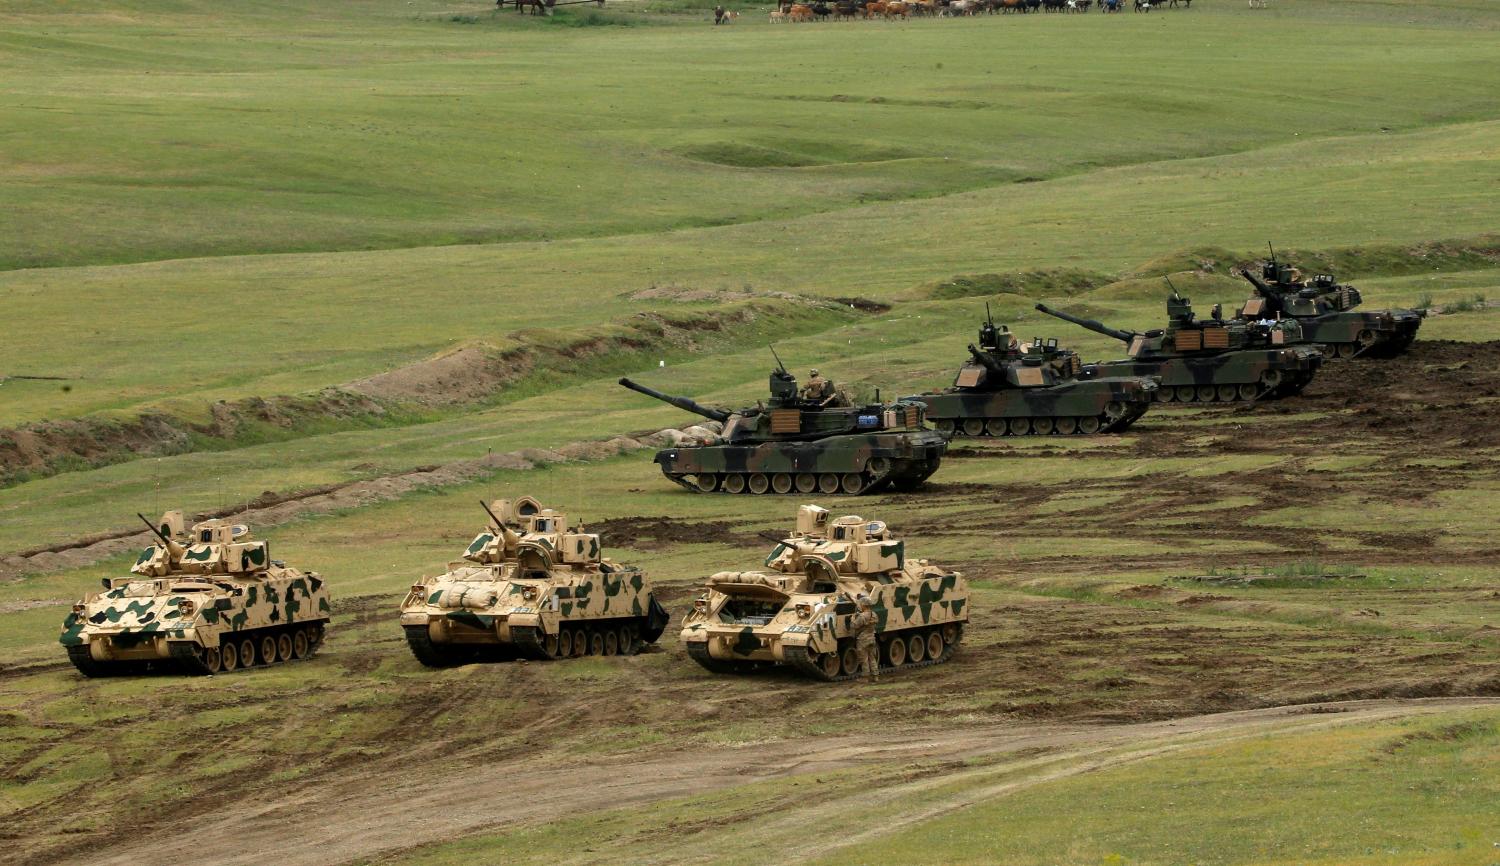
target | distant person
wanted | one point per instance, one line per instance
(718, 15)
(863, 626)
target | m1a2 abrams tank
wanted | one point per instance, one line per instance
(1326, 311)
(534, 586)
(804, 443)
(207, 599)
(797, 612)
(1007, 389)
(1212, 361)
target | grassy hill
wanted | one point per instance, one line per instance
(344, 254)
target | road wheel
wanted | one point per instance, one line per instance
(299, 644)
(944, 426)
(1344, 350)
(1270, 380)
(314, 638)
(611, 643)
(1165, 395)
(1019, 426)
(268, 650)
(734, 483)
(1366, 339)
(806, 482)
(1205, 393)
(916, 649)
(564, 643)
(974, 427)
(759, 483)
(1041, 426)
(852, 661)
(1247, 391)
(851, 483)
(707, 482)
(247, 653)
(229, 657)
(210, 657)
(781, 482)
(829, 664)
(596, 643)
(1227, 393)
(951, 632)
(551, 645)
(1186, 394)
(934, 644)
(996, 427)
(284, 646)
(1067, 426)
(895, 652)
(828, 483)
(1088, 425)
(626, 639)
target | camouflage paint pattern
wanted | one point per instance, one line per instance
(1006, 389)
(797, 610)
(534, 585)
(798, 444)
(1210, 361)
(1326, 311)
(195, 593)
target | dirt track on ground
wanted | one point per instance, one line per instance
(385, 808)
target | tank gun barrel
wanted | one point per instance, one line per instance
(680, 402)
(1262, 287)
(1096, 327)
(165, 542)
(986, 361)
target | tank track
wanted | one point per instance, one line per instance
(436, 655)
(532, 643)
(184, 656)
(84, 661)
(798, 658)
(1107, 424)
(871, 482)
(698, 652)
(1290, 386)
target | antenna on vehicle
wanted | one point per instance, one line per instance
(1170, 286)
(990, 317)
(1273, 252)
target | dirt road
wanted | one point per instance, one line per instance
(387, 807)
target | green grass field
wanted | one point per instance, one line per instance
(207, 206)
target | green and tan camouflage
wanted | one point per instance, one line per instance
(204, 600)
(1010, 389)
(1326, 311)
(802, 442)
(1217, 360)
(796, 612)
(534, 586)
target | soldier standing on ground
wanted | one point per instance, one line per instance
(863, 626)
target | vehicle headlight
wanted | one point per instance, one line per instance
(804, 610)
(701, 605)
(186, 607)
(528, 592)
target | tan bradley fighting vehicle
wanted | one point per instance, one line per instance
(797, 613)
(534, 586)
(206, 600)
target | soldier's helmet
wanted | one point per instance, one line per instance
(864, 600)
(812, 372)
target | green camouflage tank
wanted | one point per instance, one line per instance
(797, 612)
(1210, 361)
(533, 586)
(803, 441)
(1007, 389)
(205, 600)
(1326, 311)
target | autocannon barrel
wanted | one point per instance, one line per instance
(986, 361)
(1096, 327)
(680, 402)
